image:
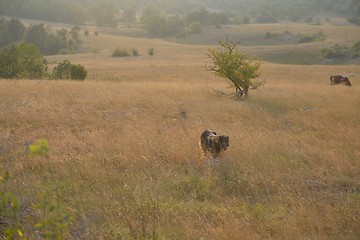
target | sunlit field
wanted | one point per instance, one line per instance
(125, 161)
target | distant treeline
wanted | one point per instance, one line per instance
(110, 12)
(47, 40)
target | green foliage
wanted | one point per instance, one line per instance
(141, 214)
(54, 223)
(67, 70)
(78, 72)
(128, 15)
(159, 24)
(229, 179)
(51, 223)
(151, 51)
(354, 20)
(9, 212)
(44, 39)
(134, 52)
(11, 31)
(50, 42)
(56, 11)
(23, 61)
(121, 52)
(39, 148)
(201, 15)
(320, 37)
(47, 40)
(195, 27)
(356, 49)
(271, 35)
(335, 51)
(229, 63)
(104, 13)
(195, 187)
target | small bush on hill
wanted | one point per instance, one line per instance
(335, 51)
(134, 52)
(354, 20)
(310, 38)
(195, 27)
(67, 70)
(151, 51)
(121, 52)
(356, 49)
(271, 35)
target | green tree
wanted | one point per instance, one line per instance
(104, 13)
(128, 15)
(9, 62)
(356, 49)
(67, 70)
(195, 27)
(42, 37)
(33, 65)
(229, 63)
(16, 29)
(23, 61)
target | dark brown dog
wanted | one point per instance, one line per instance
(215, 144)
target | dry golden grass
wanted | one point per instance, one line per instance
(124, 145)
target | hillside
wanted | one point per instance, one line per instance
(125, 161)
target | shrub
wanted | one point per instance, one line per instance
(78, 72)
(67, 70)
(121, 52)
(151, 51)
(195, 27)
(134, 52)
(356, 49)
(354, 20)
(237, 67)
(335, 51)
(271, 35)
(50, 223)
(311, 38)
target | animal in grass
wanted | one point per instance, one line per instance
(212, 143)
(338, 79)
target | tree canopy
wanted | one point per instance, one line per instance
(229, 63)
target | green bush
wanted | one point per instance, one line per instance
(49, 220)
(195, 27)
(151, 51)
(354, 20)
(356, 49)
(78, 72)
(311, 38)
(67, 70)
(22, 61)
(121, 52)
(335, 51)
(271, 35)
(134, 52)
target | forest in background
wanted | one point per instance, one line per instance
(110, 12)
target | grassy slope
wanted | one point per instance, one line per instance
(125, 146)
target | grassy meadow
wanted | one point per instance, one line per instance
(125, 161)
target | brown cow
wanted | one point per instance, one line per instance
(338, 79)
